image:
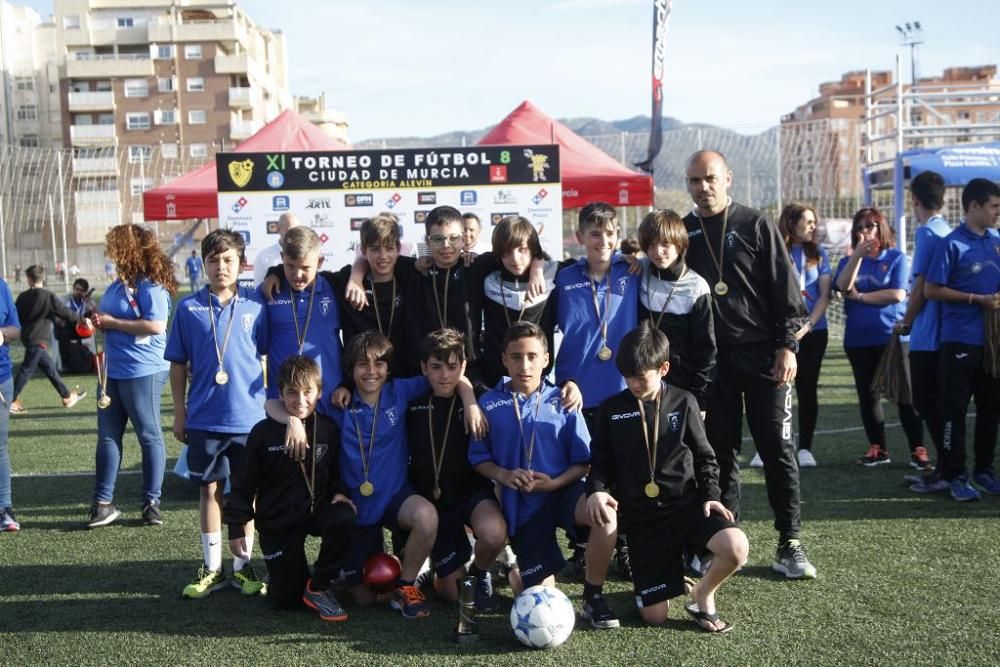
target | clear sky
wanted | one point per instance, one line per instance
(405, 67)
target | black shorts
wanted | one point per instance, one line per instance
(535, 545)
(452, 549)
(656, 547)
(368, 540)
(213, 457)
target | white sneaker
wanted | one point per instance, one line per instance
(806, 459)
(756, 461)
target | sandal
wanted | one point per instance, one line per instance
(701, 617)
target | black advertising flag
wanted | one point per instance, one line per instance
(661, 16)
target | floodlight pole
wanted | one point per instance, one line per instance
(911, 35)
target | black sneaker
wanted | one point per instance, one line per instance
(791, 561)
(597, 611)
(576, 566)
(102, 515)
(623, 563)
(486, 599)
(151, 515)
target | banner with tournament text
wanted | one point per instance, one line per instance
(335, 192)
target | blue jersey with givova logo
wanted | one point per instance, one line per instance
(387, 456)
(561, 440)
(577, 318)
(322, 337)
(233, 407)
(968, 263)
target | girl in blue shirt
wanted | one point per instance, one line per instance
(133, 315)
(873, 281)
(797, 226)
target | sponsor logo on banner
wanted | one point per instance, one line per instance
(323, 238)
(495, 218)
(427, 198)
(356, 223)
(393, 200)
(420, 217)
(467, 197)
(276, 162)
(240, 172)
(280, 203)
(504, 197)
(538, 162)
(246, 236)
(323, 202)
(275, 179)
(623, 196)
(272, 227)
(239, 204)
(359, 200)
(539, 196)
(498, 173)
(321, 220)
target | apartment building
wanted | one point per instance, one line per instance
(29, 79)
(823, 140)
(152, 88)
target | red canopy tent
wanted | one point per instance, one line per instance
(195, 195)
(588, 173)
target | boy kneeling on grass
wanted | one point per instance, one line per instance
(649, 450)
(294, 498)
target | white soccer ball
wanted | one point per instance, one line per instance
(542, 617)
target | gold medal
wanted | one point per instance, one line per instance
(721, 288)
(437, 492)
(222, 377)
(651, 489)
(605, 353)
(367, 488)
(104, 401)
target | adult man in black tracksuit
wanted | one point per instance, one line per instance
(757, 309)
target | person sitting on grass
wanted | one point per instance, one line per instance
(37, 308)
(289, 499)
(220, 331)
(651, 462)
(539, 452)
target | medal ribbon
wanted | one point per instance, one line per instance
(310, 479)
(437, 458)
(392, 306)
(366, 460)
(301, 336)
(529, 450)
(722, 239)
(503, 296)
(602, 317)
(670, 295)
(442, 314)
(229, 327)
(651, 450)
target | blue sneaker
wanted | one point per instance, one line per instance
(962, 491)
(987, 482)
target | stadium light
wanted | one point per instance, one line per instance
(912, 35)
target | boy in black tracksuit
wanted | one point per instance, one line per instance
(757, 307)
(289, 499)
(651, 461)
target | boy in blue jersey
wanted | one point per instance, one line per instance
(652, 462)
(964, 276)
(220, 332)
(10, 329)
(597, 304)
(373, 462)
(291, 499)
(539, 452)
(921, 321)
(303, 317)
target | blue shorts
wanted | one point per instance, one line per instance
(535, 544)
(451, 548)
(213, 457)
(656, 547)
(367, 540)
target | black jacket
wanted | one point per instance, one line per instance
(277, 483)
(36, 308)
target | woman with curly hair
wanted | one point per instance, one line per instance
(873, 280)
(133, 315)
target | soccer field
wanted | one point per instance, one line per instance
(903, 579)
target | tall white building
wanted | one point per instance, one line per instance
(29, 79)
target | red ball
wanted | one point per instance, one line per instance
(84, 329)
(380, 572)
